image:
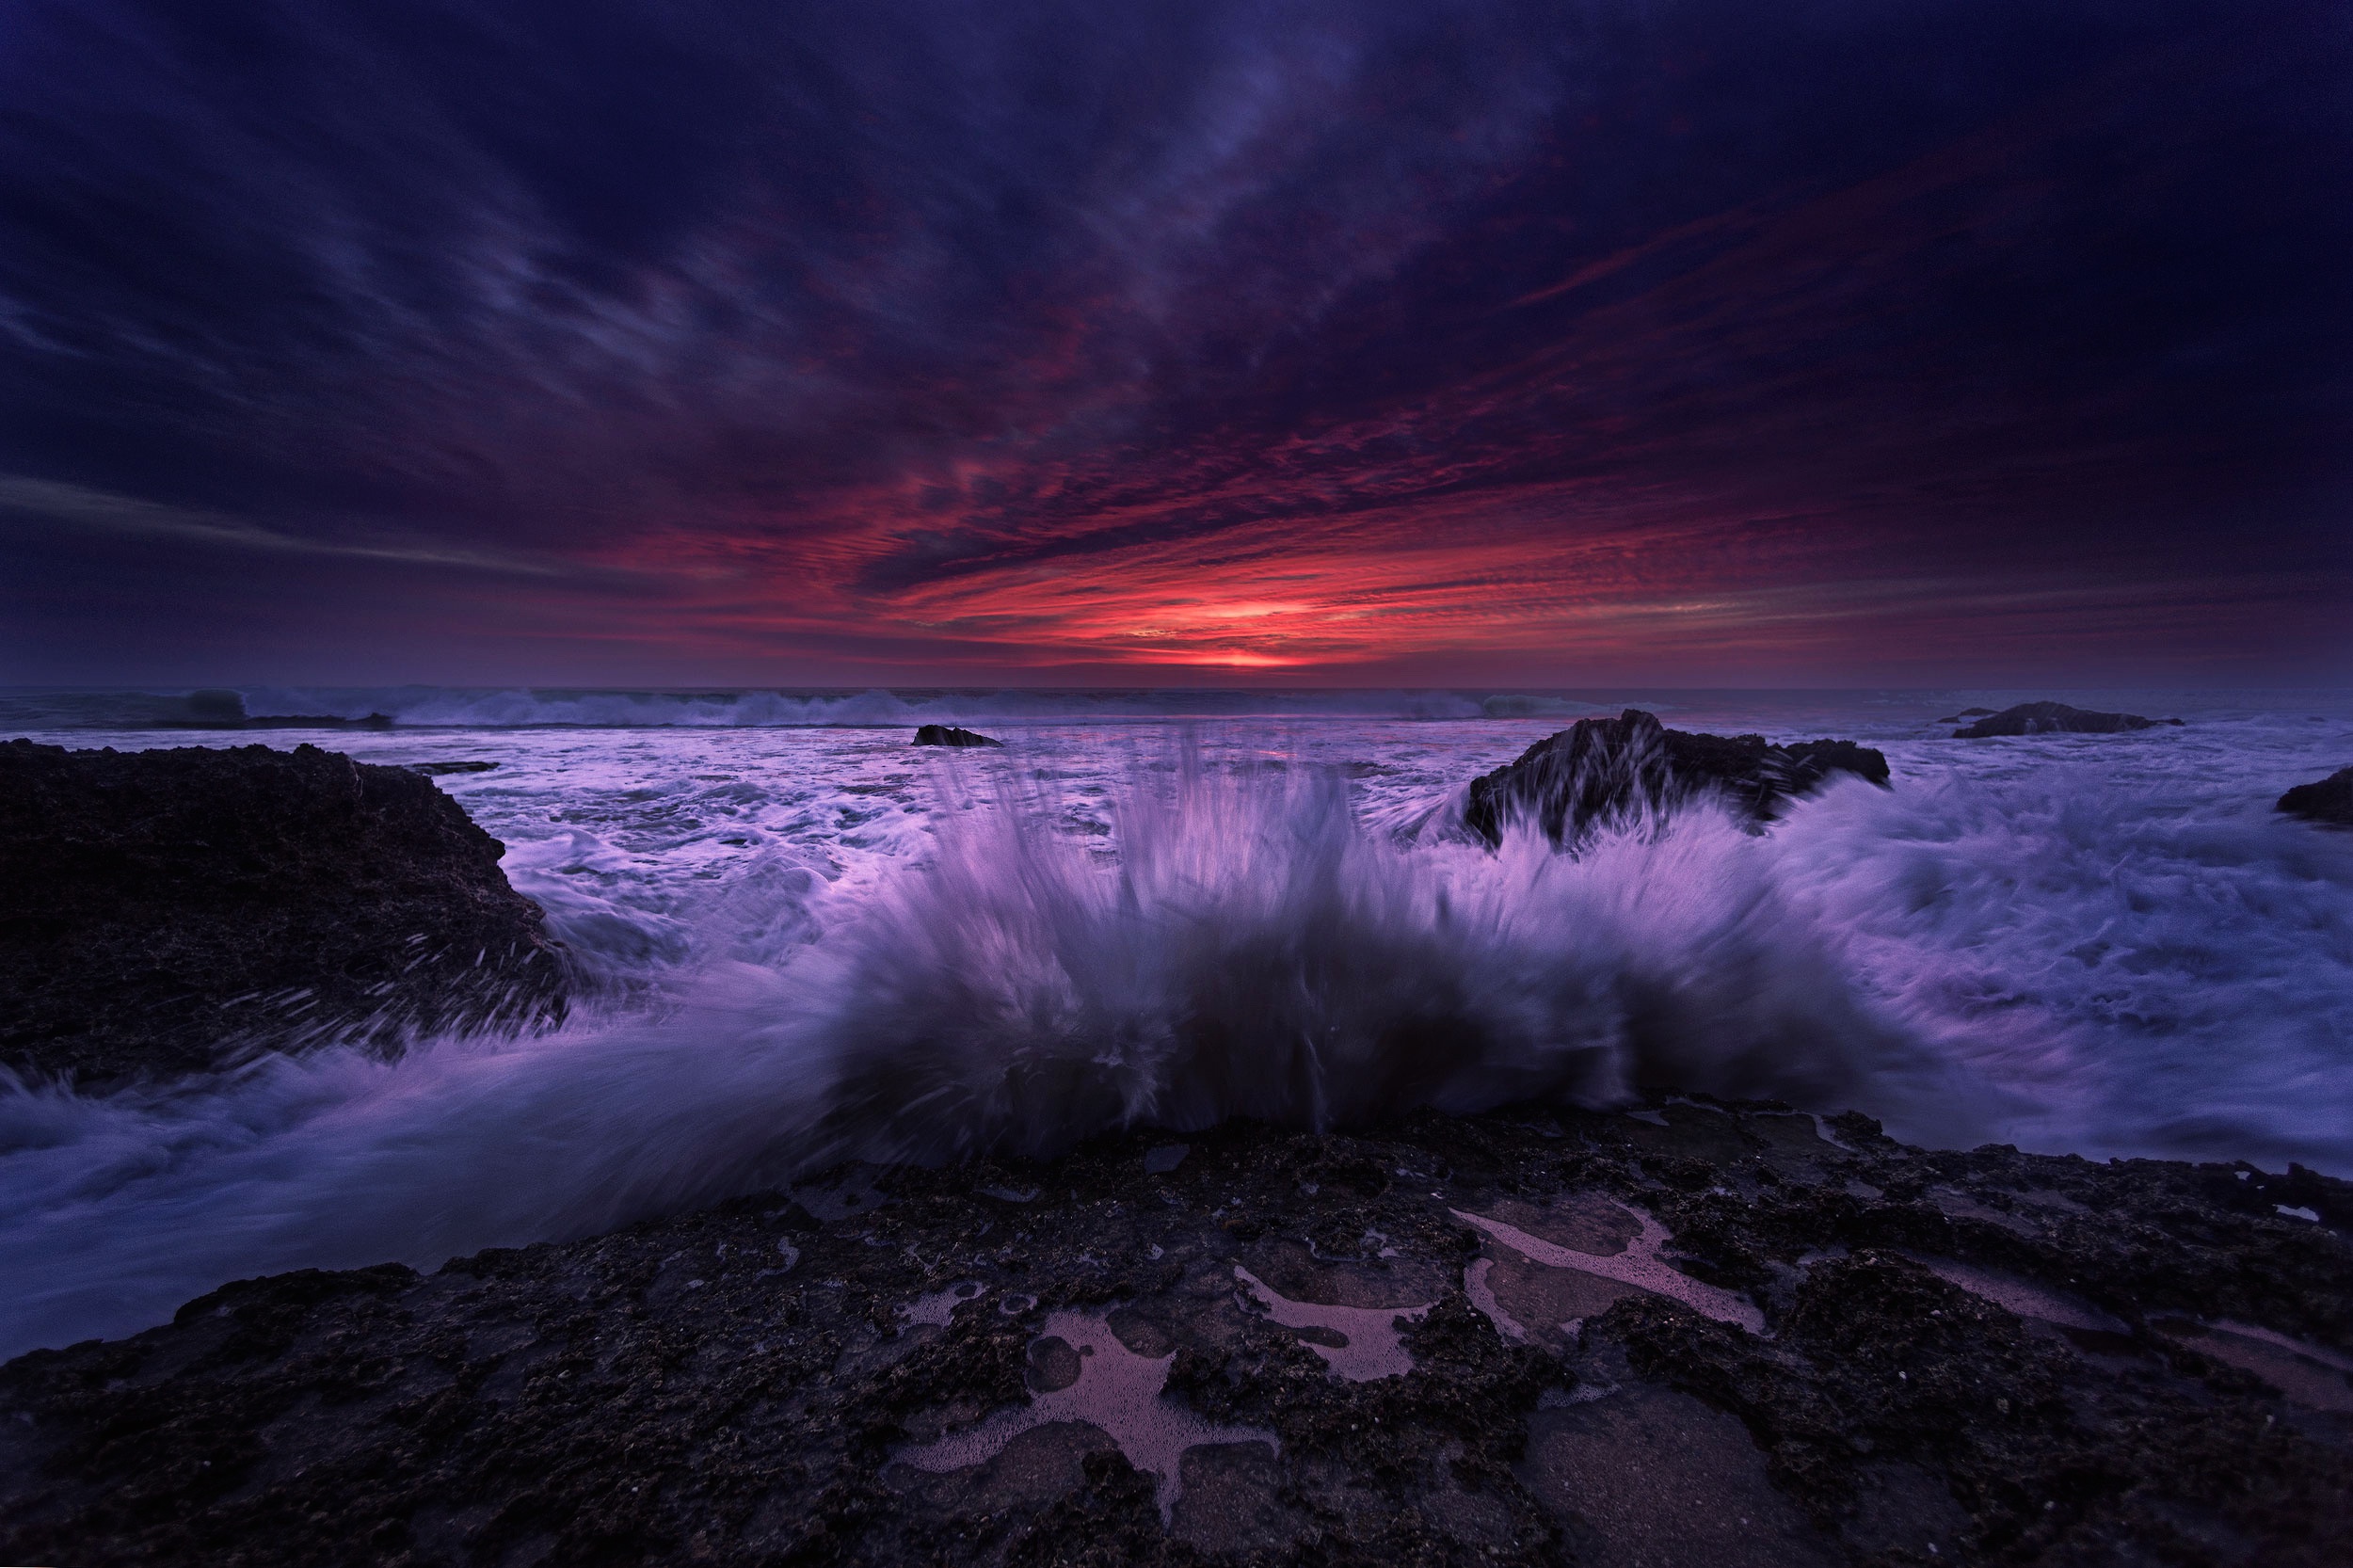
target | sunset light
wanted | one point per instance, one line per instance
(1176, 784)
(1718, 357)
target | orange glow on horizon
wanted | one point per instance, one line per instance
(1542, 575)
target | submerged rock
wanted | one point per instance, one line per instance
(1598, 770)
(1704, 1334)
(438, 770)
(161, 911)
(948, 735)
(2328, 800)
(1966, 713)
(2056, 718)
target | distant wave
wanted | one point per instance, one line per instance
(511, 708)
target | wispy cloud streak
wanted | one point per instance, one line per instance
(798, 343)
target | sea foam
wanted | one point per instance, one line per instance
(821, 948)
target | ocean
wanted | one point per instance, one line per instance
(804, 940)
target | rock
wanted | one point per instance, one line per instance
(161, 911)
(437, 770)
(948, 735)
(2056, 718)
(1601, 769)
(2329, 800)
(2015, 1358)
(1966, 713)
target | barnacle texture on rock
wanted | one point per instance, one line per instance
(2008, 1358)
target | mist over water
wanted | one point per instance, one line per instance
(817, 944)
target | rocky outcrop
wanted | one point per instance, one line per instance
(2329, 800)
(161, 909)
(1600, 769)
(1967, 713)
(948, 735)
(2056, 718)
(1697, 1333)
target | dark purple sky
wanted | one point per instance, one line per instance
(1719, 342)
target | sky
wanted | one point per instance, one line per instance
(924, 342)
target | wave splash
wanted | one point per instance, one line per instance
(1250, 949)
(1255, 953)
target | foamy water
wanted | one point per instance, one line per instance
(814, 942)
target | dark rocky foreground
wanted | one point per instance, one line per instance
(1452, 1342)
(2056, 718)
(950, 735)
(160, 907)
(1598, 770)
(2328, 800)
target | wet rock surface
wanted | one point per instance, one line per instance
(1111, 1364)
(2329, 800)
(1600, 769)
(159, 908)
(2056, 718)
(948, 735)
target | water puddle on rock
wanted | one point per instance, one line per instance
(851, 1193)
(2023, 1297)
(1955, 1203)
(1640, 1265)
(1370, 1343)
(1110, 1387)
(2310, 1375)
(940, 1306)
(1533, 1315)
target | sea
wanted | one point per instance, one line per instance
(802, 939)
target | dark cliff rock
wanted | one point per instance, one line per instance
(948, 735)
(160, 909)
(1600, 769)
(1708, 1334)
(2329, 800)
(2056, 718)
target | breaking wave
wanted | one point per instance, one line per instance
(1250, 950)
(2068, 957)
